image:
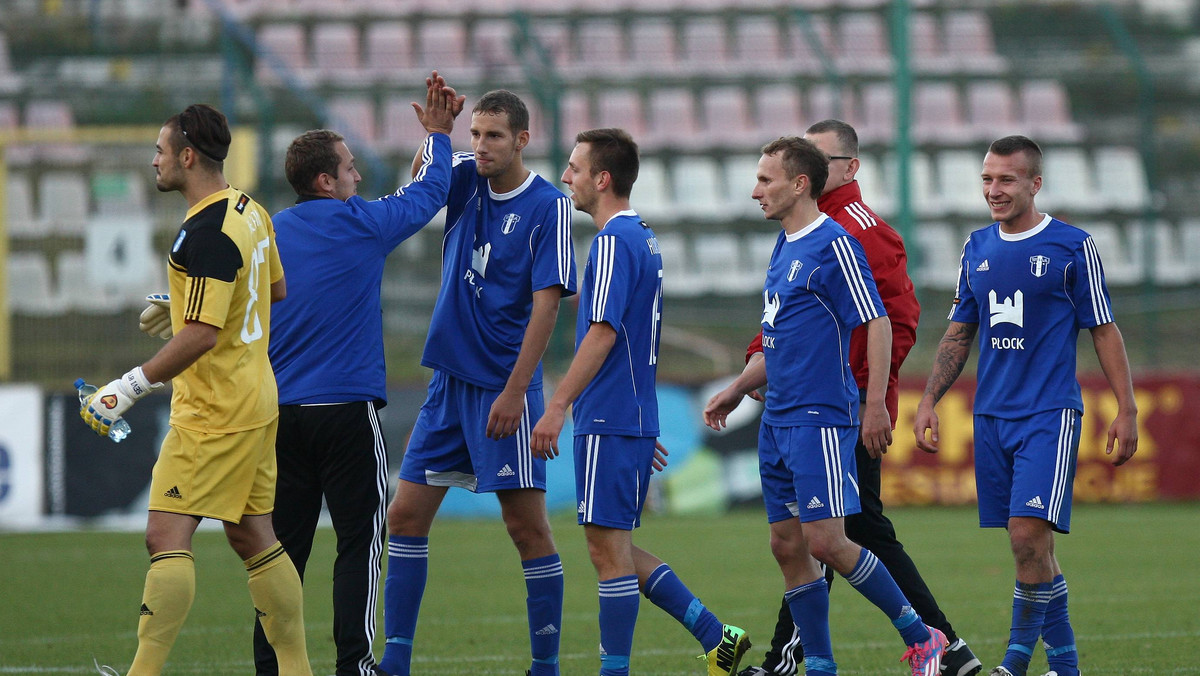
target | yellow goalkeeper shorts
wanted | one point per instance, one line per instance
(220, 476)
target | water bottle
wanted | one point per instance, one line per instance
(119, 429)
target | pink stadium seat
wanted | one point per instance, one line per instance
(51, 115)
(652, 46)
(599, 45)
(354, 117)
(727, 122)
(492, 45)
(555, 37)
(991, 110)
(969, 41)
(281, 44)
(926, 48)
(1046, 113)
(937, 114)
(621, 108)
(705, 48)
(758, 44)
(807, 50)
(778, 113)
(671, 118)
(826, 102)
(336, 50)
(878, 113)
(399, 130)
(389, 50)
(863, 45)
(576, 111)
(10, 81)
(443, 44)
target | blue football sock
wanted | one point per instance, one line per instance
(408, 568)
(809, 604)
(1057, 634)
(872, 579)
(1028, 615)
(619, 599)
(543, 604)
(667, 591)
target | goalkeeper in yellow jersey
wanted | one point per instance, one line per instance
(218, 459)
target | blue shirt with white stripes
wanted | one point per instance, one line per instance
(497, 251)
(622, 286)
(1030, 293)
(818, 288)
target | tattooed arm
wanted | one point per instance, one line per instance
(952, 354)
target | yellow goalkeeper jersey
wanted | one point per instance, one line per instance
(220, 270)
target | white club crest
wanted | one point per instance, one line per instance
(1039, 265)
(1009, 311)
(794, 270)
(509, 223)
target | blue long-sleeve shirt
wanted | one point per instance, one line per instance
(327, 334)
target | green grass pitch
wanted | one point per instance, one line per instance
(1133, 571)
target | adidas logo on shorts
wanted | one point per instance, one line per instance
(581, 506)
(146, 610)
(815, 503)
(173, 492)
(1036, 503)
(506, 471)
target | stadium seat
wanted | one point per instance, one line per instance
(719, 264)
(651, 196)
(777, 108)
(492, 46)
(652, 46)
(826, 101)
(599, 45)
(726, 118)
(680, 278)
(863, 44)
(53, 115)
(811, 41)
(740, 173)
(1067, 183)
(671, 120)
(281, 46)
(991, 110)
(575, 109)
(63, 199)
(389, 50)
(336, 51)
(922, 194)
(876, 191)
(696, 186)
(1046, 112)
(970, 43)
(959, 187)
(940, 247)
(10, 80)
(759, 45)
(443, 44)
(85, 290)
(1189, 240)
(1171, 263)
(354, 118)
(399, 130)
(937, 114)
(878, 113)
(621, 108)
(705, 48)
(18, 205)
(10, 116)
(555, 37)
(926, 48)
(759, 245)
(31, 291)
(1121, 178)
(1120, 255)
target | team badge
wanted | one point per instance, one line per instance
(509, 223)
(794, 270)
(178, 241)
(1039, 265)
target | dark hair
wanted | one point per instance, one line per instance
(612, 150)
(801, 157)
(1010, 145)
(204, 128)
(503, 101)
(846, 136)
(308, 156)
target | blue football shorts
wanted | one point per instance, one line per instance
(449, 445)
(808, 472)
(1026, 467)
(612, 476)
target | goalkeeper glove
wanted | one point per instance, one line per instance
(155, 320)
(111, 401)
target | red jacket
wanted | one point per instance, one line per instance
(889, 265)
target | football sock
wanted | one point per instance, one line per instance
(408, 569)
(166, 599)
(872, 579)
(1057, 634)
(543, 604)
(809, 604)
(667, 591)
(619, 599)
(1028, 615)
(279, 601)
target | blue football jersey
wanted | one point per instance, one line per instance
(818, 288)
(1030, 294)
(497, 251)
(622, 286)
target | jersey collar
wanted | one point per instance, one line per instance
(1024, 235)
(515, 191)
(821, 218)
